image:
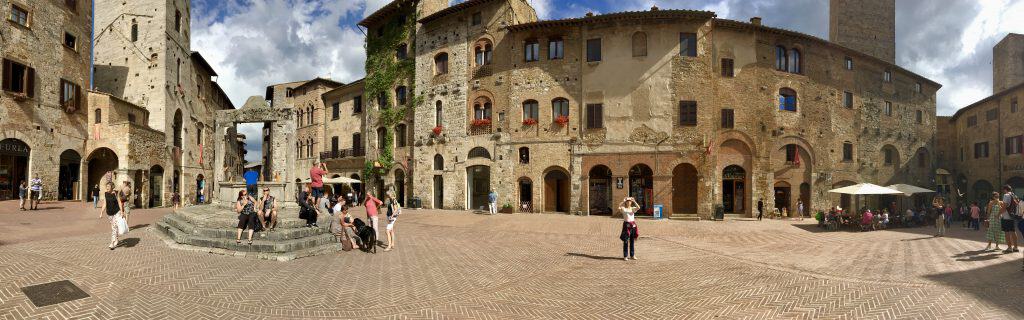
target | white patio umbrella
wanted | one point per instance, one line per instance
(909, 190)
(338, 180)
(865, 188)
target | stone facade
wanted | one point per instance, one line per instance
(143, 56)
(43, 121)
(867, 26)
(308, 105)
(644, 145)
(344, 148)
(986, 136)
(1008, 54)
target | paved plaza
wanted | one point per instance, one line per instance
(458, 265)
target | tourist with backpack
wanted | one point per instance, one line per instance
(393, 210)
(1009, 213)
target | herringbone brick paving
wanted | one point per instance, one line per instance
(450, 265)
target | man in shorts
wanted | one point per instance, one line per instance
(36, 185)
(1006, 220)
(316, 177)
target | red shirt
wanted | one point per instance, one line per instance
(317, 175)
(371, 205)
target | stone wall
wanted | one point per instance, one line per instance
(348, 161)
(1008, 62)
(979, 174)
(39, 120)
(868, 26)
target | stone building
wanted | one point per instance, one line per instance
(44, 46)
(70, 136)
(867, 26)
(344, 151)
(987, 149)
(674, 107)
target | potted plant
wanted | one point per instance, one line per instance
(437, 131)
(506, 208)
(482, 122)
(529, 121)
(562, 120)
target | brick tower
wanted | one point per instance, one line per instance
(868, 26)
(1008, 62)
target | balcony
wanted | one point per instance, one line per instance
(342, 154)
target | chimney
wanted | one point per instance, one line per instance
(755, 21)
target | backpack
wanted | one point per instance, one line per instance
(1013, 207)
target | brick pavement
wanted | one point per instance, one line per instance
(456, 265)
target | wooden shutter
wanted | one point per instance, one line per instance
(7, 75)
(30, 82)
(78, 97)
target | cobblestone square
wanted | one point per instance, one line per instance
(459, 265)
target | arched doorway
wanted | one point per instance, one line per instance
(400, 186)
(176, 128)
(734, 186)
(525, 195)
(684, 189)
(176, 184)
(67, 180)
(14, 155)
(782, 196)
(357, 188)
(438, 192)
(156, 186)
(478, 182)
(556, 191)
(600, 190)
(641, 187)
(805, 198)
(101, 162)
(201, 189)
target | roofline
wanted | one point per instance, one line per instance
(202, 62)
(740, 24)
(319, 79)
(452, 9)
(132, 104)
(270, 88)
(999, 94)
(382, 12)
(625, 15)
(224, 95)
(341, 88)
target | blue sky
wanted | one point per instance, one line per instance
(253, 43)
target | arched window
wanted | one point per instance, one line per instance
(524, 155)
(438, 162)
(482, 108)
(177, 128)
(400, 135)
(639, 44)
(530, 109)
(98, 115)
(780, 58)
(300, 116)
(441, 63)
(402, 52)
(401, 95)
(787, 99)
(794, 61)
(438, 114)
(479, 152)
(559, 108)
(482, 52)
(135, 31)
(309, 113)
(381, 135)
(309, 148)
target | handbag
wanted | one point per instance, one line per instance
(122, 226)
(346, 245)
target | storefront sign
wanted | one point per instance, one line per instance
(14, 148)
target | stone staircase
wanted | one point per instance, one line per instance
(212, 228)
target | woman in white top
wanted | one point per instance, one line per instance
(628, 235)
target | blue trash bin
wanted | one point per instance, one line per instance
(658, 209)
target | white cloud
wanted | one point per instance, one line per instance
(543, 8)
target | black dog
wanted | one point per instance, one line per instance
(366, 235)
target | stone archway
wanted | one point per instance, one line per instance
(600, 190)
(68, 186)
(556, 190)
(278, 127)
(641, 187)
(14, 155)
(156, 186)
(103, 163)
(478, 186)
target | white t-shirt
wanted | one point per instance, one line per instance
(337, 207)
(628, 214)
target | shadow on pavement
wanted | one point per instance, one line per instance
(584, 255)
(129, 242)
(143, 225)
(998, 284)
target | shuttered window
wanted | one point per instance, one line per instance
(19, 78)
(728, 120)
(687, 113)
(595, 116)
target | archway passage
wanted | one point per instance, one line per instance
(805, 199)
(68, 185)
(556, 191)
(156, 186)
(641, 187)
(400, 186)
(734, 183)
(600, 190)
(782, 197)
(438, 192)
(14, 155)
(478, 180)
(684, 189)
(525, 195)
(102, 164)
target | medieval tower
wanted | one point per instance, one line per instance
(868, 26)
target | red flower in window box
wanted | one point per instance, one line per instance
(481, 122)
(529, 121)
(562, 120)
(437, 130)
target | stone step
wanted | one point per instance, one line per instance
(328, 248)
(227, 218)
(259, 245)
(278, 234)
(685, 217)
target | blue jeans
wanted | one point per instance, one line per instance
(95, 202)
(628, 248)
